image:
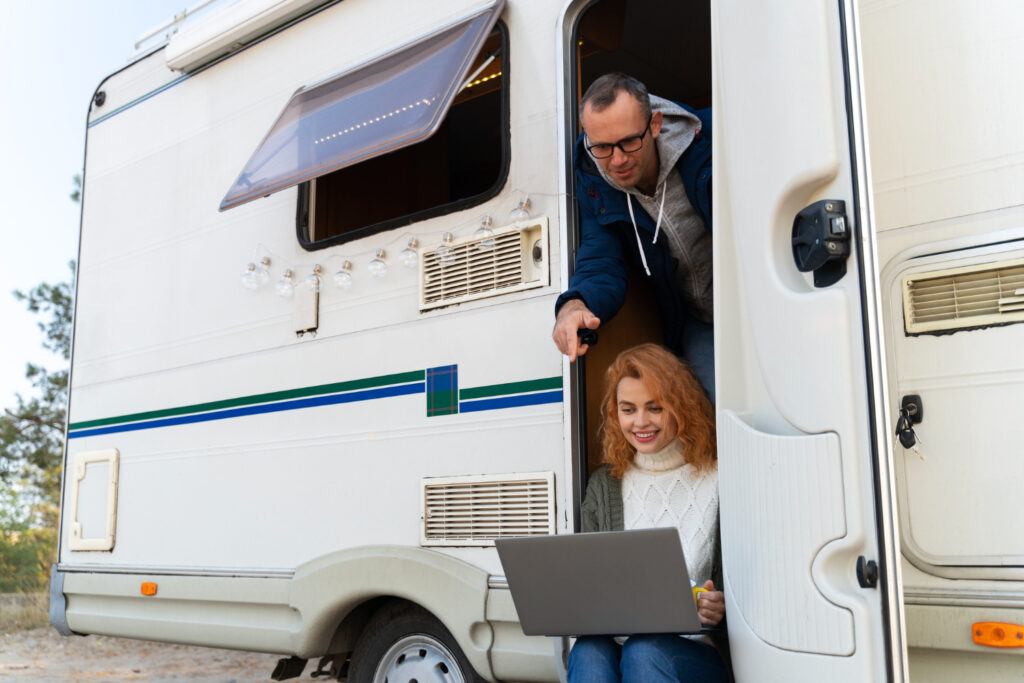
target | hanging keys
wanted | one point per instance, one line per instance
(910, 414)
(905, 429)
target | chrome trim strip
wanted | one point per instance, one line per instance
(964, 598)
(977, 571)
(879, 411)
(497, 582)
(168, 570)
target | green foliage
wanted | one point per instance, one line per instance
(26, 546)
(32, 446)
(32, 432)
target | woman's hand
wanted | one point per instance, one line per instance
(710, 605)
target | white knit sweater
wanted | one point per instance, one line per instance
(661, 490)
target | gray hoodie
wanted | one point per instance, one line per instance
(688, 240)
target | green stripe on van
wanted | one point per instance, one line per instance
(547, 383)
(333, 388)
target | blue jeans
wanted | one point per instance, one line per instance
(644, 659)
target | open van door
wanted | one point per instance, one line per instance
(809, 543)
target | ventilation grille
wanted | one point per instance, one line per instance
(513, 259)
(471, 511)
(959, 298)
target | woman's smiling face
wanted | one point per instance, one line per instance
(644, 422)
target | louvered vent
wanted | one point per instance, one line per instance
(959, 298)
(472, 511)
(513, 259)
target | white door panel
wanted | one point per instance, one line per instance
(796, 397)
(796, 484)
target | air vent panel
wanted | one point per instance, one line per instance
(475, 270)
(475, 510)
(963, 298)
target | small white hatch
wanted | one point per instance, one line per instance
(94, 500)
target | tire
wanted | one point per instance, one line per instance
(403, 643)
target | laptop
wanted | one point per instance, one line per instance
(615, 583)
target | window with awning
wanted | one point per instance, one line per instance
(396, 102)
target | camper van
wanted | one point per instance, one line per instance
(313, 379)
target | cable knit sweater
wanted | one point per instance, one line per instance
(658, 490)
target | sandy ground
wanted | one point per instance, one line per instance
(42, 656)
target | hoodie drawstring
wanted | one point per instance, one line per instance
(661, 211)
(657, 226)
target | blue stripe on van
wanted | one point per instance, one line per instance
(298, 404)
(511, 401)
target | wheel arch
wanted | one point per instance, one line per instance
(336, 595)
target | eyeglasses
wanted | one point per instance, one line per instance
(633, 143)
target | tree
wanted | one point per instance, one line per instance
(32, 432)
(26, 551)
(32, 446)
(31, 450)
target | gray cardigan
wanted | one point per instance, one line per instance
(602, 506)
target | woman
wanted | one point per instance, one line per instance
(660, 469)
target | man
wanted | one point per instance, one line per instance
(643, 186)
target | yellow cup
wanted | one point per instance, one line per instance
(697, 590)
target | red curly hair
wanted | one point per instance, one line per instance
(674, 386)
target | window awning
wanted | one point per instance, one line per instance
(392, 102)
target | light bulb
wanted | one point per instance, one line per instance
(409, 257)
(313, 279)
(445, 252)
(286, 285)
(263, 271)
(343, 276)
(250, 279)
(378, 267)
(485, 235)
(521, 212)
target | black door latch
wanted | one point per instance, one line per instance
(821, 241)
(867, 572)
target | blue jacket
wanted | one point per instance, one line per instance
(608, 246)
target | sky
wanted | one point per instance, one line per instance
(53, 54)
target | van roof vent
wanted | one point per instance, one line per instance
(514, 258)
(475, 510)
(963, 298)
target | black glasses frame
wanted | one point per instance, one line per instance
(621, 144)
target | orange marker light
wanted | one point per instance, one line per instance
(997, 634)
(149, 588)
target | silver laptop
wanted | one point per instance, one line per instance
(614, 583)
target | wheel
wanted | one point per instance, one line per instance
(403, 643)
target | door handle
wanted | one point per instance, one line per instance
(821, 241)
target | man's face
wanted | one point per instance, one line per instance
(624, 118)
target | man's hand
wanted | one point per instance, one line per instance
(710, 605)
(572, 317)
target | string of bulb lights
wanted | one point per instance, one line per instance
(257, 273)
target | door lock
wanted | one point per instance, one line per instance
(821, 241)
(911, 413)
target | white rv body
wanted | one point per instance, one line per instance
(269, 467)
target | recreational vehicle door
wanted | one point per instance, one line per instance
(809, 545)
